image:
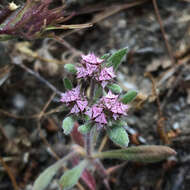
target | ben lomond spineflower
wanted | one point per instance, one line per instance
(107, 107)
(92, 108)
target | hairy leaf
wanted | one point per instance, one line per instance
(68, 125)
(116, 58)
(144, 153)
(67, 83)
(129, 96)
(118, 135)
(71, 177)
(115, 88)
(105, 56)
(46, 176)
(84, 129)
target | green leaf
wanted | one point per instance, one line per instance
(129, 97)
(149, 153)
(46, 176)
(84, 129)
(68, 125)
(118, 135)
(70, 68)
(67, 83)
(115, 88)
(71, 177)
(116, 58)
(105, 56)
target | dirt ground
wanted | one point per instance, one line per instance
(157, 66)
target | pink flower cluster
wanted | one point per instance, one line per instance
(91, 67)
(108, 105)
(73, 98)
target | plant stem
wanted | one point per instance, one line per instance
(102, 172)
(92, 88)
(89, 136)
(88, 144)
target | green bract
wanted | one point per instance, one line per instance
(129, 96)
(67, 83)
(70, 68)
(84, 129)
(116, 58)
(115, 88)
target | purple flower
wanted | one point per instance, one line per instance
(91, 58)
(106, 74)
(109, 100)
(108, 106)
(90, 66)
(97, 114)
(101, 119)
(112, 103)
(82, 72)
(75, 109)
(119, 108)
(73, 97)
(82, 104)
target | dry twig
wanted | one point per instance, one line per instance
(169, 49)
(160, 122)
(10, 174)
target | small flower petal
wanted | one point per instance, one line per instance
(101, 119)
(104, 83)
(75, 109)
(90, 68)
(91, 58)
(106, 74)
(115, 116)
(82, 104)
(81, 72)
(110, 71)
(96, 111)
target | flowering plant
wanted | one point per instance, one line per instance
(98, 103)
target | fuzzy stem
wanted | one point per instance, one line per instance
(92, 88)
(89, 136)
(88, 143)
(102, 172)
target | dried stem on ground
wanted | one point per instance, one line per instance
(161, 118)
(10, 174)
(169, 49)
